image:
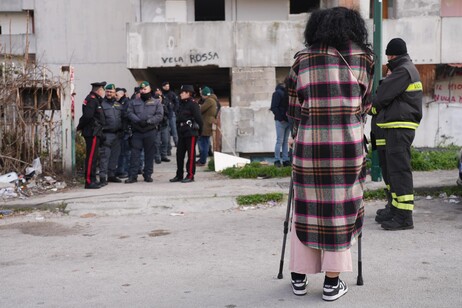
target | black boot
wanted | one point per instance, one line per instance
(114, 179)
(102, 182)
(402, 220)
(387, 206)
(386, 215)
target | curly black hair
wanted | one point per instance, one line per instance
(336, 27)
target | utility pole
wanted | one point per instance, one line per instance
(376, 173)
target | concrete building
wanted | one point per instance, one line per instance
(89, 35)
(243, 48)
(240, 48)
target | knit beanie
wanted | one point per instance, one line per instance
(206, 91)
(396, 47)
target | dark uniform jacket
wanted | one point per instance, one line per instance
(398, 102)
(171, 101)
(113, 115)
(145, 116)
(190, 111)
(124, 100)
(92, 120)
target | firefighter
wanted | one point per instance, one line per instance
(398, 105)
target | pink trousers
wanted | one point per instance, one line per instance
(307, 260)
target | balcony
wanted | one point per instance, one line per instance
(431, 40)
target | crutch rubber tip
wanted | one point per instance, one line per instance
(360, 281)
(280, 276)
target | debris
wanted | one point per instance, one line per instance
(177, 214)
(49, 180)
(429, 198)
(443, 195)
(9, 177)
(37, 166)
(8, 192)
(5, 213)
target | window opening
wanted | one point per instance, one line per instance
(209, 10)
(303, 6)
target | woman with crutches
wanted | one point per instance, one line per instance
(329, 86)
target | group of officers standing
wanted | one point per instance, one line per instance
(125, 136)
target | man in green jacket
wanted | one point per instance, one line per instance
(398, 106)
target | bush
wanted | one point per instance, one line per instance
(434, 159)
(429, 159)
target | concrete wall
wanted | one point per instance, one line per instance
(11, 6)
(15, 23)
(430, 40)
(260, 10)
(423, 37)
(416, 8)
(92, 40)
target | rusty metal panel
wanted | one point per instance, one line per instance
(427, 75)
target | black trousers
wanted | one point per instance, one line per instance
(381, 151)
(142, 141)
(91, 158)
(398, 160)
(186, 145)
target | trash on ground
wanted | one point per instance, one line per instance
(9, 177)
(177, 214)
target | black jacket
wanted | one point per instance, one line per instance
(171, 101)
(398, 102)
(113, 115)
(190, 111)
(124, 100)
(145, 116)
(279, 104)
(92, 120)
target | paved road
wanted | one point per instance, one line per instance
(188, 245)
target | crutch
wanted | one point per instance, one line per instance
(286, 226)
(359, 280)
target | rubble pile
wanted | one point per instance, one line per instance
(33, 182)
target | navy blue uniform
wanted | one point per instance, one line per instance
(189, 127)
(91, 124)
(145, 117)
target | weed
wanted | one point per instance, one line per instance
(259, 198)
(255, 170)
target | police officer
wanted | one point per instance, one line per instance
(145, 114)
(124, 157)
(112, 131)
(164, 133)
(398, 105)
(91, 124)
(189, 126)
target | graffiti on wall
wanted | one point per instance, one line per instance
(448, 90)
(193, 57)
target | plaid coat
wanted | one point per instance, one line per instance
(328, 101)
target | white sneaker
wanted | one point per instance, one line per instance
(331, 293)
(299, 286)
